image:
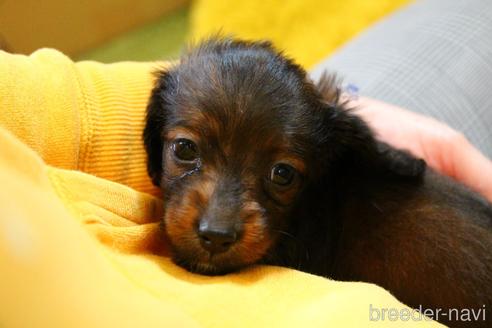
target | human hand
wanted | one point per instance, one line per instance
(444, 149)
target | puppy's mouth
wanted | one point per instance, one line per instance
(208, 264)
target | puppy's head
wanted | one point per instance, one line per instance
(234, 134)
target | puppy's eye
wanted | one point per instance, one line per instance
(282, 174)
(185, 150)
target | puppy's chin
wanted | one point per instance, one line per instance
(205, 268)
(213, 266)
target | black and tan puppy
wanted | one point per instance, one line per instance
(259, 165)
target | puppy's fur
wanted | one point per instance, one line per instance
(355, 209)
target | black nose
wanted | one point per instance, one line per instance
(216, 240)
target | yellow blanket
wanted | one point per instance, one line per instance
(79, 243)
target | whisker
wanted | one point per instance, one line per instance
(297, 241)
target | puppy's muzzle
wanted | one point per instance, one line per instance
(219, 225)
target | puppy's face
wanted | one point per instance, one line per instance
(233, 135)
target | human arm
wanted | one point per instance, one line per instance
(444, 149)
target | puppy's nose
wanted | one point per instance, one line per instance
(216, 240)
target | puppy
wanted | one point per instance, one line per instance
(259, 165)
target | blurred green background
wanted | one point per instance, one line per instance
(101, 30)
(162, 39)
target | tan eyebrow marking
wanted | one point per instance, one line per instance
(179, 132)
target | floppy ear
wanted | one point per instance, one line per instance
(154, 124)
(352, 144)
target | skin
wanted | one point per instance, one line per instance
(444, 149)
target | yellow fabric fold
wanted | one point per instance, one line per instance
(80, 243)
(81, 116)
(52, 272)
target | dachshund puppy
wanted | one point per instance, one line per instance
(260, 165)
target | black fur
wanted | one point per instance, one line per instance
(361, 210)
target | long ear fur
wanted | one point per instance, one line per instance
(155, 122)
(351, 142)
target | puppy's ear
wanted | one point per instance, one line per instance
(350, 142)
(154, 124)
